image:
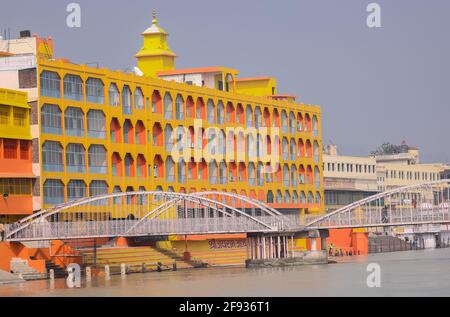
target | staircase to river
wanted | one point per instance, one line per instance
(381, 244)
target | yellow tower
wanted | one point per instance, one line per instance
(155, 55)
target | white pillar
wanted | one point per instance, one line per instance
(264, 248)
(123, 270)
(107, 273)
(278, 248)
(52, 275)
(313, 244)
(88, 274)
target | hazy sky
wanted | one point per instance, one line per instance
(374, 85)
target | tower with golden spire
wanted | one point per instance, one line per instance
(155, 55)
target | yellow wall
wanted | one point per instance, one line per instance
(14, 102)
(257, 87)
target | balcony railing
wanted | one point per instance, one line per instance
(76, 169)
(95, 99)
(98, 169)
(53, 167)
(50, 93)
(74, 132)
(97, 134)
(72, 96)
(52, 130)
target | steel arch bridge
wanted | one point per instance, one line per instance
(421, 204)
(153, 213)
(157, 213)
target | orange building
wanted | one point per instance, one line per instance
(16, 177)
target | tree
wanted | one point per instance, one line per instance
(390, 149)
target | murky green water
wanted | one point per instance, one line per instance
(418, 273)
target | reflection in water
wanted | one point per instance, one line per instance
(405, 273)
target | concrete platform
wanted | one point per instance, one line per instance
(300, 258)
(8, 278)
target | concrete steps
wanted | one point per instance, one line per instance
(381, 244)
(20, 268)
(114, 257)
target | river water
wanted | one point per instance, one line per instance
(416, 273)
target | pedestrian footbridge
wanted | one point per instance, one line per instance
(153, 213)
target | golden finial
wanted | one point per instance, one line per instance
(155, 17)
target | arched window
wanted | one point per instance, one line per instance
(138, 99)
(128, 132)
(129, 165)
(170, 170)
(284, 123)
(213, 179)
(73, 87)
(98, 188)
(117, 200)
(51, 119)
(168, 138)
(286, 176)
(294, 197)
(53, 192)
(211, 112)
(249, 116)
(95, 91)
(179, 108)
(223, 173)
(96, 124)
(113, 94)
(181, 171)
(220, 113)
(285, 149)
(294, 178)
(258, 117)
(168, 106)
(75, 158)
(315, 126)
(317, 177)
(302, 197)
(52, 157)
(316, 152)
(292, 149)
(212, 141)
(251, 174)
(50, 84)
(251, 147)
(98, 163)
(279, 197)
(270, 197)
(310, 198)
(318, 198)
(126, 100)
(74, 122)
(76, 189)
(221, 144)
(260, 174)
(287, 197)
(292, 123)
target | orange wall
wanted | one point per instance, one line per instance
(347, 239)
(17, 250)
(16, 205)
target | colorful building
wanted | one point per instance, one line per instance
(16, 175)
(100, 131)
